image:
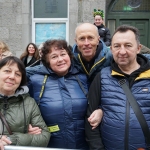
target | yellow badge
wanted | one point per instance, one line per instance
(53, 128)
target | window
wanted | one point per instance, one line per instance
(49, 20)
(131, 5)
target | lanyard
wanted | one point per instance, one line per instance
(42, 88)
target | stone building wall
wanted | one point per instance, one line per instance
(13, 16)
(16, 20)
(81, 11)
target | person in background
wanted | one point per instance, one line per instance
(30, 55)
(4, 50)
(145, 49)
(63, 101)
(120, 128)
(18, 108)
(104, 32)
(39, 61)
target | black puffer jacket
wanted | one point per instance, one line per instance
(104, 34)
(24, 59)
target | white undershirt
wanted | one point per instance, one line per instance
(29, 58)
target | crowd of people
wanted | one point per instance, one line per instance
(59, 96)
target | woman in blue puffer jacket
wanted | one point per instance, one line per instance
(60, 91)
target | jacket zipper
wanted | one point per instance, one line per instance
(5, 107)
(92, 66)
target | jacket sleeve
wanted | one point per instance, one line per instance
(36, 120)
(107, 37)
(93, 137)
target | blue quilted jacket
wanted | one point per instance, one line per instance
(119, 125)
(63, 106)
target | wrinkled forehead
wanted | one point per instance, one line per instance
(87, 30)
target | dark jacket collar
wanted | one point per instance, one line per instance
(89, 64)
(144, 66)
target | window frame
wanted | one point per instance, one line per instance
(49, 20)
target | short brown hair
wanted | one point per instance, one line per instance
(125, 28)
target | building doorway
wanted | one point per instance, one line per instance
(131, 12)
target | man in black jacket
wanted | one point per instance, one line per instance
(119, 123)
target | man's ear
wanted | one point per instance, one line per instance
(111, 48)
(139, 48)
(75, 40)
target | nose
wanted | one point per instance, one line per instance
(12, 75)
(60, 58)
(122, 50)
(86, 42)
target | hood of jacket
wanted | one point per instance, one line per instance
(20, 91)
(144, 66)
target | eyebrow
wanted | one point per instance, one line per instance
(11, 69)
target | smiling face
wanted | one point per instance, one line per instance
(31, 50)
(59, 61)
(125, 48)
(87, 39)
(98, 20)
(10, 79)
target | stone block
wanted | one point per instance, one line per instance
(8, 20)
(17, 8)
(26, 6)
(25, 18)
(4, 33)
(15, 33)
(19, 19)
(15, 46)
